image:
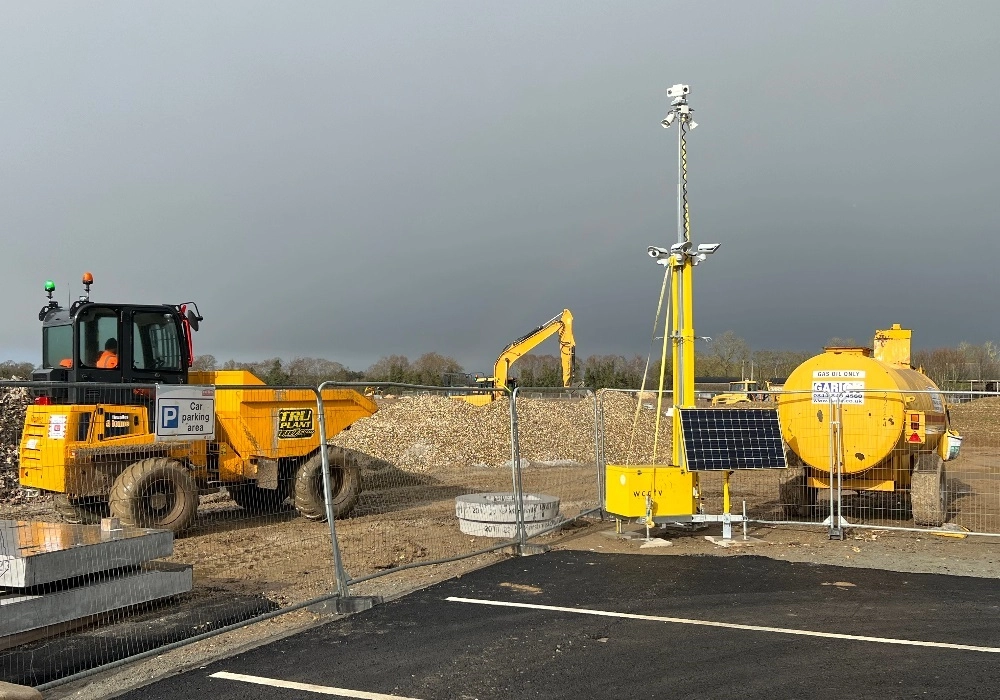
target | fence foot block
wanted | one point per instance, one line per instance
(526, 550)
(347, 605)
(735, 541)
(10, 691)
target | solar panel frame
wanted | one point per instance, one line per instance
(731, 439)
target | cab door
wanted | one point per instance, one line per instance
(98, 353)
(157, 354)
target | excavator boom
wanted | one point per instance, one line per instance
(561, 324)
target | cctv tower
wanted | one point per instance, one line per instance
(681, 261)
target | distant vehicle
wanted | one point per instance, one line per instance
(743, 391)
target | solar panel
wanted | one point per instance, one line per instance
(728, 439)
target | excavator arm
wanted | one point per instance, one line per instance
(561, 324)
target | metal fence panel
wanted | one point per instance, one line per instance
(789, 495)
(76, 595)
(969, 484)
(557, 472)
(426, 453)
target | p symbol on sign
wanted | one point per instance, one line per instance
(169, 416)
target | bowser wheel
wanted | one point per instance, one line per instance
(345, 485)
(797, 498)
(156, 493)
(86, 510)
(927, 488)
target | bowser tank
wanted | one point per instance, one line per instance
(894, 426)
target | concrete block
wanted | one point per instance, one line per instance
(35, 553)
(10, 691)
(101, 594)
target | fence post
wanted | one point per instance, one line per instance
(515, 451)
(599, 449)
(835, 531)
(338, 565)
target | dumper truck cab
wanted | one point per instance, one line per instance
(121, 425)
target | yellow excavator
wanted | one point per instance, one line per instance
(501, 379)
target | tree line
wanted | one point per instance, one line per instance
(728, 356)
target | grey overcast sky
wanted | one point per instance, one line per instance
(354, 179)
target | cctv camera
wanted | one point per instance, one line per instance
(668, 120)
(680, 247)
(678, 91)
(708, 248)
(655, 252)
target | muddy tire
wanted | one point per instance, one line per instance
(156, 493)
(80, 511)
(927, 490)
(253, 499)
(345, 485)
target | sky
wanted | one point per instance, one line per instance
(350, 180)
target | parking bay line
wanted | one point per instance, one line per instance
(307, 687)
(729, 625)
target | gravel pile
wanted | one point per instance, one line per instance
(13, 403)
(420, 433)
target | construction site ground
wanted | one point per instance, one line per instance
(247, 565)
(577, 623)
(974, 557)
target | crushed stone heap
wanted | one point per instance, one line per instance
(420, 433)
(13, 403)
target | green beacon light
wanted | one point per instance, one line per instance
(50, 287)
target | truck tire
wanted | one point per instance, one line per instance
(345, 485)
(80, 511)
(253, 499)
(927, 490)
(157, 493)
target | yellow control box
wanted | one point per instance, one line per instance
(673, 491)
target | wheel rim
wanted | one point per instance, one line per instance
(158, 500)
(336, 477)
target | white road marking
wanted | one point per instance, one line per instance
(730, 625)
(307, 687)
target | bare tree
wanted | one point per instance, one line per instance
(730, 350)
(204, 363)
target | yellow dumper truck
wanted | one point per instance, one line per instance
(121, 424)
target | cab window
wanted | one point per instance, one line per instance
(156, 343)
(98, 330)
(57, 346)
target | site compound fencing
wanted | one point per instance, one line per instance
(835, 490)
(437, 479)
(920, 460)
(432, 480)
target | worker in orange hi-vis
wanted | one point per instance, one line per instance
(109, 358)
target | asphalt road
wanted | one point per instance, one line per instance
(428, 647)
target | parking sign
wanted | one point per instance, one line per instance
(185, 412)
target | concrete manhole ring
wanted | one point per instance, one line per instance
(506, 530)
(502, 507)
